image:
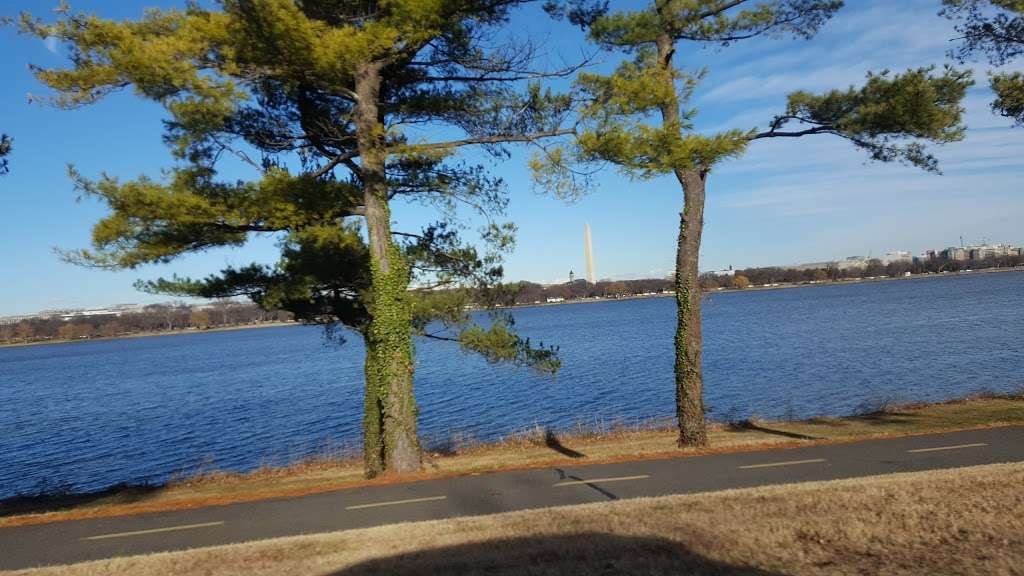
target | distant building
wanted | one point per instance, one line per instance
(729, 272)
(992, 251)
(852, 262)
(897, 256)
(957, 254)
(12, 320)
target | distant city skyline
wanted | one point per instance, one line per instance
(957, 251)
(962, 241)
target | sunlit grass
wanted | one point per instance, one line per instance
(961, 521)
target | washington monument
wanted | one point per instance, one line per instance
(588, 253)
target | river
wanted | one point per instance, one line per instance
(83, 416)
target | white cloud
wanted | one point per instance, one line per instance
(893, 36)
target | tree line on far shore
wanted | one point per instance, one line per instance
(533, 293)
(874, 268)
(525, 293)
(150, 319)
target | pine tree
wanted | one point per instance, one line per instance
(636, 119)
(337, 108)
(994, 28)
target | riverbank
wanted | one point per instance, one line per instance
(847, 281)
(958, 521)
(776, 286)
(151, 334)
(529, 449)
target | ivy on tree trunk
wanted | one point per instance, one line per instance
(689, 341)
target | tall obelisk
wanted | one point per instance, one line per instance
(588, 252)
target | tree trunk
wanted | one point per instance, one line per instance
(689, 341)
(390, 438)
(373, 415)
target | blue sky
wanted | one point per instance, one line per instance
(790, 201)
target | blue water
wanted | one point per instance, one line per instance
(87, 415)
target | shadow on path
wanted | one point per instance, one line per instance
(586, 553)
(748, 425)
(606, 493)
(552, 441)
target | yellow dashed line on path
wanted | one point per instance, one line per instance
(153, 531)
(787, 463)
(395, 502)
(600, 480)
(937, 448)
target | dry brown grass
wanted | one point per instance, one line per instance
(528, 449)
(962, 521)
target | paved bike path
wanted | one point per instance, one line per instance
(77, 541)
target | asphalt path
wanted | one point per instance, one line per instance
(77, 541)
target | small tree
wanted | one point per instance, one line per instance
(636, 119)
(66, 332)
(199, 319)
(741, 282)
(994, 28)
(874, 267)
(223, 310)
(111, 329)
(24, 331)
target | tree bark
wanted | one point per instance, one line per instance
(390, 439)
(689, 341)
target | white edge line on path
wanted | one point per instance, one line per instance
(153, 531)
(395, 502)
(787, 463)
(937, 448)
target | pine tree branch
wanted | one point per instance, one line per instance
(335, 161)
(513, 75)
(436, 337)
(773, 133)
(716, 11)
(497, 139)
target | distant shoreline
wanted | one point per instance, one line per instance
(160, 333)
(780, 286)
(871, 280)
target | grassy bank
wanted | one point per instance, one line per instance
(962, 521)
(175, 332)
(530, 449)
